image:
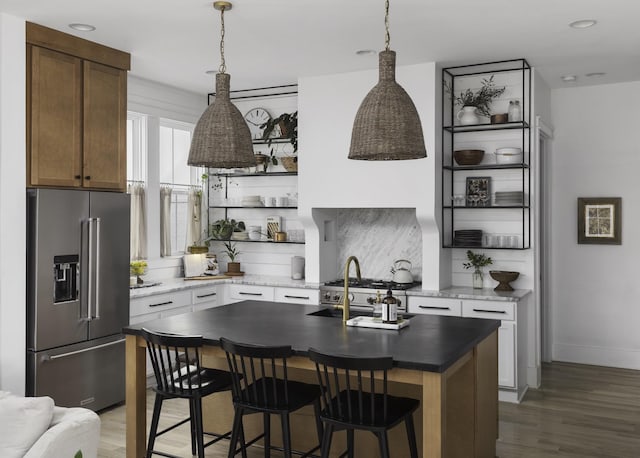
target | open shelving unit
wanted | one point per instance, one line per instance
(508, 220)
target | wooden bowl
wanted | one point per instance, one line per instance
(504, 277)
(468, 156)
(499, 118)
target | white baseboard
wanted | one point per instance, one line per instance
(512, 396)
(597, 356)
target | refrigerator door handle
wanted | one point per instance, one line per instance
(90, 271)
(77, 352)
(96, 315)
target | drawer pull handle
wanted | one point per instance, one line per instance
(433, 307)
(161, 303)
(489, 311)
(242, 293)
(297, 297)
(206, 295)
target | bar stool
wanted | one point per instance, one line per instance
(178, 374)
(347, 407)
(261, 385)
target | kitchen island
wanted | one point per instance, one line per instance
(449, 363)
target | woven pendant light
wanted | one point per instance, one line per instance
(221, 138)
(387, 126)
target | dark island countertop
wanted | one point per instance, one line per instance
(430, 343)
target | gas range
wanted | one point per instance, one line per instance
(363, 293)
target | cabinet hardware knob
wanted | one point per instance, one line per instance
(87, 177)
(77, 177)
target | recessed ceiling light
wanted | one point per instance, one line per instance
(568, 78)
(365, 52)
(595, 74)
(211, 72)
(82, 27)
(583, 24)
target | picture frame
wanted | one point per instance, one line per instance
(478, 192)
(600, 220)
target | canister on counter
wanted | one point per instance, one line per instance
(389, 308)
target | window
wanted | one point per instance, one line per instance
(175, 141)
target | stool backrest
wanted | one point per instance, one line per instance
(176, 361)
(258, 373)
(355, 378)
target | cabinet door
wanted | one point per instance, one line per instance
(240, 292)
(297, 296)
(54, 118)
(105, 124)
(507, 354)
(434, 306)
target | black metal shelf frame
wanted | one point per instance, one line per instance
(449, 128)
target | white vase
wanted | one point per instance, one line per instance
(467, 116)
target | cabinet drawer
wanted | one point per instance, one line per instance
(434, 306)
(205, 305)
(251, 292)
(208, 294)
(489, 309)
(297, 296)
(159, 302)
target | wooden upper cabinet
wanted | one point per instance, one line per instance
(105, 127)
(76, 112)
(55, 115)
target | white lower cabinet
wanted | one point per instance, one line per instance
(297, 296)
(511, 334)
(239, 292)
(206, 298)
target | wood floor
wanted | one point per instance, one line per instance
(579, 412)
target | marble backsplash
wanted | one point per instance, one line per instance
(378, 237)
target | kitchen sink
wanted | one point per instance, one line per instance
(337, 313)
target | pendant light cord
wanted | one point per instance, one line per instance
(387, 37)
(223, 65)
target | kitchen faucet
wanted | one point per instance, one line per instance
(345, 299)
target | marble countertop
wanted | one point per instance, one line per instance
(467, 292)
(179, 284)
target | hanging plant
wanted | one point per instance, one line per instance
(287, 124)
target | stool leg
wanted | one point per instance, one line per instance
(266, 419)
(237, 428)
(384, 444)
(192, 423)
(157, 406)
(326, 440)
(197, 407)
(411, 435)
(286, 434)
(350, 444)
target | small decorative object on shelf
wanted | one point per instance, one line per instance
(477, 261)
(138, 268)
(515, 112)
(478, 191)
(504, 277)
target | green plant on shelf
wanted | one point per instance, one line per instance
(222, 229)
(481, 99)
(231, 250)
(477, 261)
(287, 125)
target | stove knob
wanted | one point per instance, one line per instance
(371, 300)
(351, 297)
(327, 296)
(336, 297)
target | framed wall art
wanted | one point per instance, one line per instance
(478, 192)
(600, 220)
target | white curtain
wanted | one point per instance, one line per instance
(138, 244)
(194, 218)
(165, 221)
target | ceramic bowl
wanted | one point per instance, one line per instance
(468, 156)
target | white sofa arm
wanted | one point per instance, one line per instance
(71, 429)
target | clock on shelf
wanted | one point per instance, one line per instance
(256, 117)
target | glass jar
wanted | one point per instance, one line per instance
(515, 111)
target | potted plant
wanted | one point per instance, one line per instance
(477, 261)
(138, 268)
(476, 102)
(287, 127)
(232, 252)
(222, 229)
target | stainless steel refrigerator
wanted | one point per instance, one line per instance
(77, 295)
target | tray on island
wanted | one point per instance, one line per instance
(371, 322)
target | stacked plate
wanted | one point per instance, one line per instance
(251, 201)
(509, 198)
(467, 237)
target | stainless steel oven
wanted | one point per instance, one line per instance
(363, 294)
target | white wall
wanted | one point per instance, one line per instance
(595, 287)
(12, 205)
(329, 180)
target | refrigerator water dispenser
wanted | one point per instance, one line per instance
(65, 278)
